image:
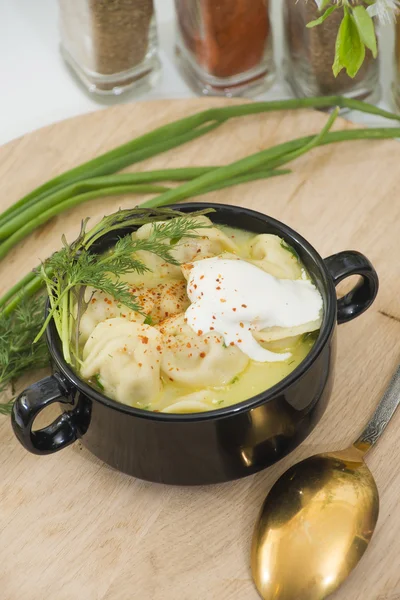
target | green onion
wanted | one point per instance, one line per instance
(36, 217)
(108, 163)
(277, 155)
(14, 220)
(178, 133)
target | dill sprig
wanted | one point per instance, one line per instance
(18, 353)
(134, 217)
(73, 268)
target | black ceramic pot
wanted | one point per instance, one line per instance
(214, 446)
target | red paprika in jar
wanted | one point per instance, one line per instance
(226, 38)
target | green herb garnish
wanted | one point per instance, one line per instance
(98, 382)
(148, 320)
(18, 353)
(234, 380)
(290, 249)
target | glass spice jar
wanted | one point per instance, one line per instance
(111, 45)
(310, 52)
(224, 47)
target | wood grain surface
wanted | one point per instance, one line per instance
(72, 528)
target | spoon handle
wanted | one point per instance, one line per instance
(382, 415)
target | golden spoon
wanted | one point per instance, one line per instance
(319, 517)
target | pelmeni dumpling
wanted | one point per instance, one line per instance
(279, 333)
(124, 358)
(191, 403)
(193, 359)
(100, 307)
(158, 270)
(268, 252)
(170, 299)
(165, 300)
(160, 302)
(210, 242)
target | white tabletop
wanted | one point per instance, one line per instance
(37, 89)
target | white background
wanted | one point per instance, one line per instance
(37, 88)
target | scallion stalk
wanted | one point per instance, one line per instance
(178, 133)
(18, 217)
(265, 159)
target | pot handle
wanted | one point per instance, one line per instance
(30, 403)
(355, 302)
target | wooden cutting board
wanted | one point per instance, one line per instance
(73, 528)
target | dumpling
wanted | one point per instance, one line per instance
(160, 302)
(186, 268)
(279, 333)
(191, 403)
(158, 270)
(167, 299)
(193, 359)
(125, 359)
(210, 242)
(269, 252)
(100, 307)
(170, 299)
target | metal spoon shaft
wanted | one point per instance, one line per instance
(382, 415)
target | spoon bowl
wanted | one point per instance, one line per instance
(314, 527)
(319, 517)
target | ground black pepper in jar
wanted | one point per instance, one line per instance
(110, 44)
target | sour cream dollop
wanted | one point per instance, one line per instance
(234, 297)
